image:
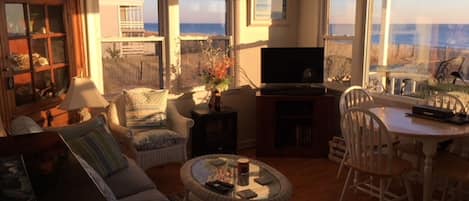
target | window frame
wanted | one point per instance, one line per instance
(229, 26)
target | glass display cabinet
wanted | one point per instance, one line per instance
(37, 51)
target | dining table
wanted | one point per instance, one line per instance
(429, 132)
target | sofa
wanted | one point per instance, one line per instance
(127, 184)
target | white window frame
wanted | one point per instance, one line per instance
(229, 36)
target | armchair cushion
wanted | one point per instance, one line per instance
(100, 150)
(145, 107)
(149, 139)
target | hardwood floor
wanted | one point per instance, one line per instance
(312, 179)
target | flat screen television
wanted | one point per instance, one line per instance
(292, 65)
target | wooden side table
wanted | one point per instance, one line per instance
(214, 132)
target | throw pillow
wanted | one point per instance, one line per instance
(100, 150)
(97, 179)
(156, 139)
(145, 107)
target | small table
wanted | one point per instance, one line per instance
(214, 132)
(428, 132)
(195, 172)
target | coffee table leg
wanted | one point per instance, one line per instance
(429, 149)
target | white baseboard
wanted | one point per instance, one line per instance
(246, 144)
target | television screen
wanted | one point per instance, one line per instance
(292, 65)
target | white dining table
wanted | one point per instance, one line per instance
(428, 132)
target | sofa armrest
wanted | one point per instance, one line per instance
(177, 122)
(123, 136)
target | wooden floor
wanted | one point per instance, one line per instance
(312, 179)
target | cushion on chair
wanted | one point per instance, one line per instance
(100, 150)
(149, 139)
(145, 107)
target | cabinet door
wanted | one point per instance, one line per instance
(37, 56)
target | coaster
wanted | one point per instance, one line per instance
(247, 194)
(263, 180)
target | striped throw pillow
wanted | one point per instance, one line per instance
(145, 107)
(100, 150)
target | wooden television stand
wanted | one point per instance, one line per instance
(296, 125)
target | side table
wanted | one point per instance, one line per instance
(214, 132)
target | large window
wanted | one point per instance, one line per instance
(131, 45)
(419, 47)
(202, 23)
(339, 39)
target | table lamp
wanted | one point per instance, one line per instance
(82, 94)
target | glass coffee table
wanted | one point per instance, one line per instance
(223, 167)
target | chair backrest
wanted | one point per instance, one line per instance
(446, 67)
(352, 97)
(446, 101)
(367, 141)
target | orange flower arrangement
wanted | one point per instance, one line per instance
(215, 67)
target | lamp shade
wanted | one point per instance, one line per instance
(82, 93)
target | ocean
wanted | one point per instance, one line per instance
(434, 35)
(209, 29)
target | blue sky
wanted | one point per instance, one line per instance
(192, 11)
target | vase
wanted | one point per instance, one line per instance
(214, 103)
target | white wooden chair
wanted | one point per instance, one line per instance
(371, 152)
(353, 96)
(446, 101)
(441, 100)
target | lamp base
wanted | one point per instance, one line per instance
(85, 114)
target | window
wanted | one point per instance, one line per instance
(37, 49)
(202, 22)
(418, 48)
(132, 47)
(338, 41)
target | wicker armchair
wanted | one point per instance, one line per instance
(153, 157)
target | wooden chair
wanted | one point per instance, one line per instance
(452, 164)
(371, 152)
(352, 97)
(450, 69)
(442, 100)
(446, 101)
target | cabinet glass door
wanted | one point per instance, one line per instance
(37, 37)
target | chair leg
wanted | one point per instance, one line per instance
(408, 189)
(347, 180)
(339, 171)
(445, 189)
(381, 189)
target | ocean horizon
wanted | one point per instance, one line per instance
(199, 28)
(442, 35)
